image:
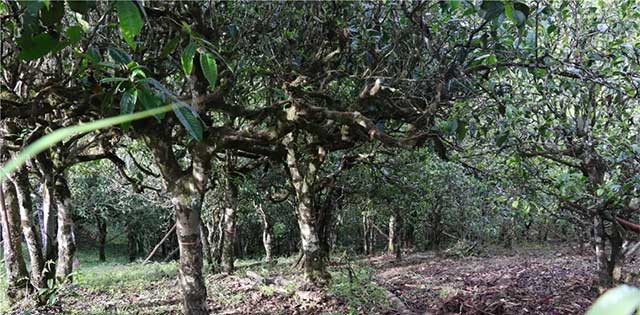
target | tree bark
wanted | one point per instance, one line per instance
(267, 233)
(602, 263)
(66, 241)
(303, 182)
(16, 271)
(49, 221)
(131, 245)
(194, 292)
(397, 240)
(365, 233)
(187, 189)
(392, 234)
(29, 230)
(206, 246)
(230, 206)
(102, 238)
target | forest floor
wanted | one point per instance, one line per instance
(529, 280)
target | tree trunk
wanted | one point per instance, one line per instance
(398, 229)
(194, 292)
(365, 233)
(49, 222)
(230, 206)
(131, 244)
(187, 189)
(325, 221)
(267, 233)
(392, 234)
(602, 263)
(15, 268)
(303, 185)
(29, 230)
(102, 238)
(66, 241)
(206, 246)
(219, 246)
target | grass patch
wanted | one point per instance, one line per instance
(357, 288)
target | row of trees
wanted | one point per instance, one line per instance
(322, 108)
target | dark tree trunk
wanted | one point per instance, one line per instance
(102, 238)
(66, 241)
(325, 220)
(16, 271)
(131, 244)
(29, 230)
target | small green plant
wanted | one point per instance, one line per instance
(49, 294)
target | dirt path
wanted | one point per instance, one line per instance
(529, 282)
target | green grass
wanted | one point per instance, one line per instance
(357, 287)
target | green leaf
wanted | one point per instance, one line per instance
(149, 100)
(128, 105)
(187, 58)
(130, 21)
(170, 46)
(189, 119)
(52, 14)
(94, 55)
(461, 131)
(517, 12)
(454, 4)
(501, 139)
(36, 46)
(74, 34)
(209, 68)
(81, 6)
(119, 56)
(491, 9)
(622, 300)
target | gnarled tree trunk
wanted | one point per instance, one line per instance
(303, 182)
(49, 223)
(66, 241)
(29, 230)
(17, 277)
(187, 189)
